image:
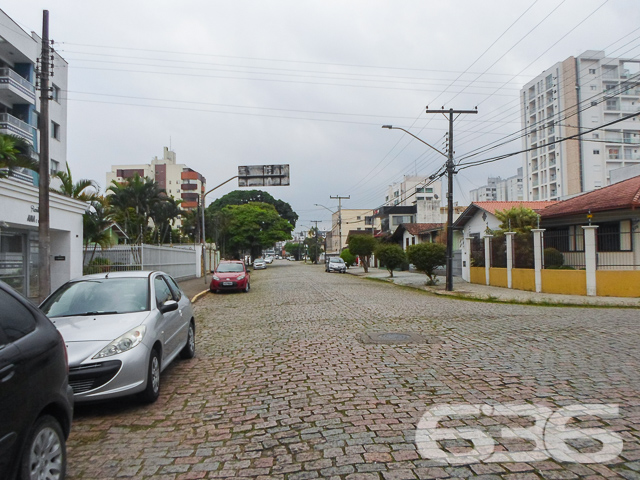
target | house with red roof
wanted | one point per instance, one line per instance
(414, 233)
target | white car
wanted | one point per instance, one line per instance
(259, 263)
(268, 260)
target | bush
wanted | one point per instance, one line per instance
(553, 258)
(426, 257)
(348, 257)
(391, 256)
(97, 265)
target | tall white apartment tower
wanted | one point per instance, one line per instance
(579, 94)
(412, 189)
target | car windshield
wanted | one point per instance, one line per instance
(259, 260)
(230, 268)
(99, 296)
(336, 260)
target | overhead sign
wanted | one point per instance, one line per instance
(263, 175)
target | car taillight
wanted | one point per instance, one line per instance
(66, 355)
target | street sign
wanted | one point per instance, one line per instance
(263, 175)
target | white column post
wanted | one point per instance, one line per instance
(466, 260)
(590, 257)
(199, 256)
(487, 257)
(509, 239)
(537, 256)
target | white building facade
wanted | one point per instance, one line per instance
(578, 94)
(500, 189)
(175, 179)
(411, 190)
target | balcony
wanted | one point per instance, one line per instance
(16, 89)
(189, 186)
(14, 126)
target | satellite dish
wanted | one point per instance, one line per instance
(436, 196)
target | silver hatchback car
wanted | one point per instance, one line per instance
(121, 330)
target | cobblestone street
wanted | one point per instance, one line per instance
(283, 385)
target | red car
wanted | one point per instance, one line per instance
(230, 275)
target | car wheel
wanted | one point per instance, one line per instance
(45, 455)
(151, 393)
(189, 350)
(247, 288)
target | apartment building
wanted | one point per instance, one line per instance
(176, 179)
(411, 190)
(19, 106)
(576, 95)
(343, 222)
(500, 189)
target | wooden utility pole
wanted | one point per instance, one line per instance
(44, 239)
(339, 198)
(316, 222)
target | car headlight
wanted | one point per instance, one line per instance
(241, 277)
(123, 343)
(216, 278)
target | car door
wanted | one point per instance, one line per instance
(170, 322)
(16, 322)
(185, 308)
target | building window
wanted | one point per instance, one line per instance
(593, 87)
(596, 152)
(592, 71)
(55, 167)
(55, 130)
(55, 93)
(596, 135)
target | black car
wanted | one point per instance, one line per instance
(36, 402)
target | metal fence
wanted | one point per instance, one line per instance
(177, 261)
(499, 251)
(477, 252)
(564, 248)
(615, 250)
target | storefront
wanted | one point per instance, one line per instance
(19, 237)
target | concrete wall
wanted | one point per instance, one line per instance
(618, 284)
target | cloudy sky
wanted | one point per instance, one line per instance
(310, 83)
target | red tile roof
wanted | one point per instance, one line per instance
(418, 228)
(621, 195)
(492, 207)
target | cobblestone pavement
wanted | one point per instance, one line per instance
(283, 387)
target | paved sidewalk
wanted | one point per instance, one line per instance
(195, 285)
(483, 292)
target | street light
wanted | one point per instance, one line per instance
(325, 241)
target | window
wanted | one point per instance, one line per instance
(593, 87)
(15, 319)
(175, 289)
(163, 293)
(55, 166)
(596, 152)
(55, 130)
(592, 71)
(612, 238)
(55, 93)
(596, 135)
(357, 218)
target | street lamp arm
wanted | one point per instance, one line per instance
(215, 188)
(391, 127)
(326, 208)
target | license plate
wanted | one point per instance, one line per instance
(227, 284)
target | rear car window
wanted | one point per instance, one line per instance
(16, 319)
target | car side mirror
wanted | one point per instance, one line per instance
(168, 306)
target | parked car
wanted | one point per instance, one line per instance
(291, 258)
(122, 329)
(335, 264)
(230, 275)
(259, 263)
(268, 260)
(36, 402)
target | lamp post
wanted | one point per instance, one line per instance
(332, 212)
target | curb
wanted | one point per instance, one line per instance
(199, 295)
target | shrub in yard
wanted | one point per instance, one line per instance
(391, 256)
(426, 257)
(553, 258)
(97, 265)
(348, 257)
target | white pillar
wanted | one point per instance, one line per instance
(537, 256)
(198, 265)
(487, 257)
(466, 260)
(590, 257)
(509, 239)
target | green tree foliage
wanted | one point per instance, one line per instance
(391, 255)
(363, 246)
(520, 220)
(348, 257)
(294, 248)
(240, 197)
(163, 214)
(96, 222)
(426, 257)
(314, 244)
(84, 189)
(253, 227)
(553, 258)
(15, 153)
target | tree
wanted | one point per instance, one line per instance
(294, 248)
(391, 255)
(426, 257)
(240, 197)
(96, 223)
(163, 214)
(77, 190)
(314, 244)
(520, 220)
(348, 257)
(363, 246)
(15, 153)
(254, 226)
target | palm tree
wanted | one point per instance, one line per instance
(15, 152)
(96, 223)
(163, 213)
(78, 189)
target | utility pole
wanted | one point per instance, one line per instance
(44, 239)
(316, 222)
(339, 198)
(450, 172)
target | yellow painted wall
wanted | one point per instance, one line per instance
(524, 279)
(567, 282)
(478, 275)
(618, 284)
(498, 277)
